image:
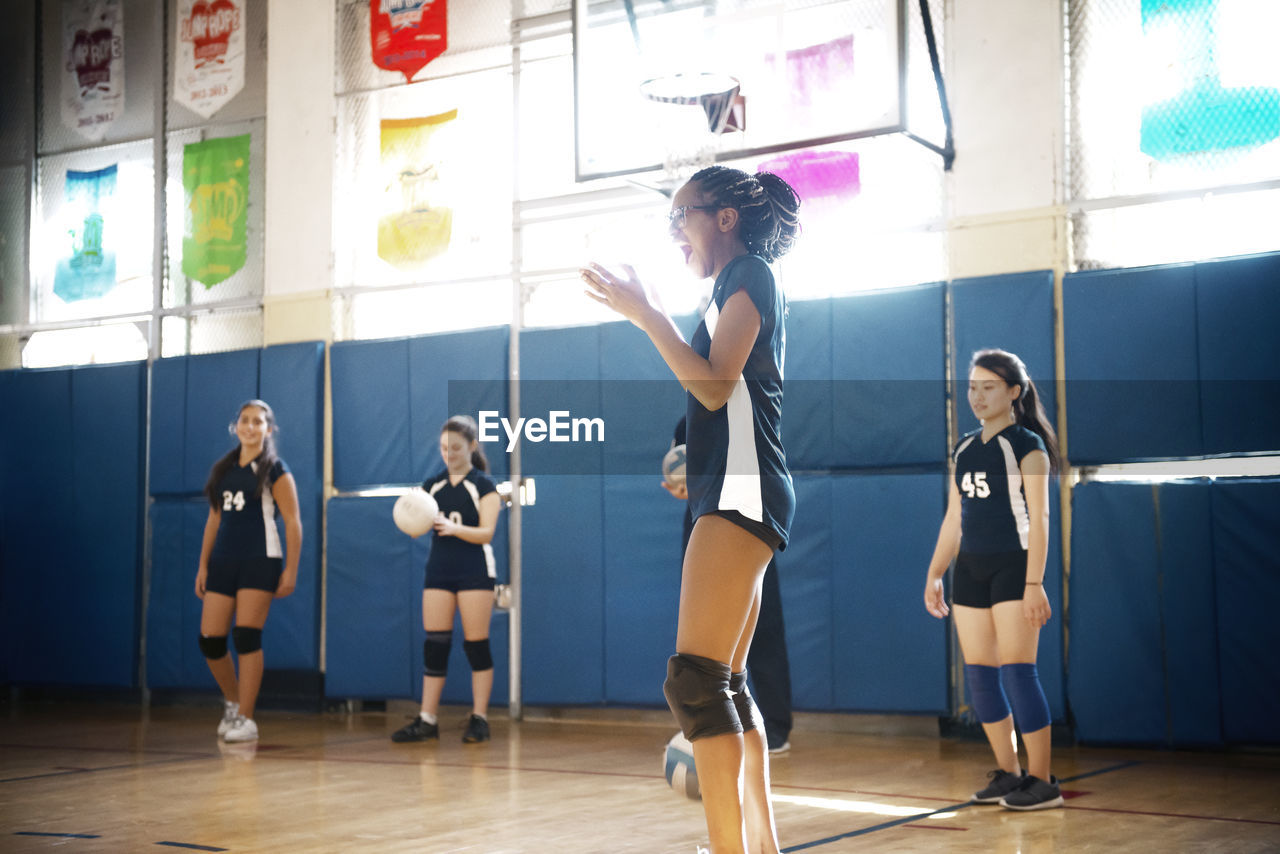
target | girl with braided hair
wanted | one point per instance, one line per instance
(730, 225)
(997, 530)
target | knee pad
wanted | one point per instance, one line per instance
(214, 647)
(247, 639)
(989, 702)
(1022, 684)
(435, 653)
(697, 690)
(748, 713)
(478, 654)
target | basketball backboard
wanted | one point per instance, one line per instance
(809, 72)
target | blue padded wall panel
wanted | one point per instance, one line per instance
(641, 402)
(1238, 313)
(888, 378)
(169, 585)
(1189, 609)
(807, 414)
(642, 531)
(291, 379)
(1246, 546)
(463, 372)
(100, 591)
(1115, 680)
(1049, 657)
(217, 384)
(560, 371)
(1130, 354)
(370, 393)
(805, 571)
(1012, 312)
(890, 654)
(373, 625)
(168, 425)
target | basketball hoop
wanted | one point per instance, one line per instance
(702, 107)
(716, 94)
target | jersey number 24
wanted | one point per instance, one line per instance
(236, 501)
(975, 484)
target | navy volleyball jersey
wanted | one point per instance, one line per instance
(247, 528)
(993, 502)
(461, 503)
(735, 459)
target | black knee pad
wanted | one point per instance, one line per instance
(247, 639)
(748, 713)
(478, 654)
(435, 653)
(214, 647)
(697, 690)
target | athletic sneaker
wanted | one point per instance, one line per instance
(477, 730)
(1002, 783)
(416, 730)
(244, 729)
(785, 747)
(1034, 794)
(230, 711)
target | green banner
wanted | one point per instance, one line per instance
(215, 176)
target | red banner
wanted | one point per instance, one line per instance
(407, 34)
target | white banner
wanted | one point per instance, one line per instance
(93, 63)
(208, 69)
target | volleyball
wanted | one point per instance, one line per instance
(678, 767)
(673, 467)
(415, 512)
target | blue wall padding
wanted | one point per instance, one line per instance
(807, 413)
(1188, 602)
(1119, 631)
(217, 384)
(641, 401)
(805, 578)
(890, 654)
(1132, 364)
(370, 393)
(463, 372)
(168, 425)
(888, 378)
(642, 529)
(1238, 309)
(560, 370)
(1246, 517)
(1049, 656)
(173, 613)
(291, 380)
(1013, 312)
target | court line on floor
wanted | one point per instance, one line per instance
(123, 767)
(58, 835)
(1107, 770)
(1179, 815)
(192, 846)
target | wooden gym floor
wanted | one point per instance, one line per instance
(90, 778)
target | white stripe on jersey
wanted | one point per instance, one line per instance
(269, 524)
(1017, 505)
(489, 565)
(959, 450)
(741, 488)
(437, 486)
(473, 492)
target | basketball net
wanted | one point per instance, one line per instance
(693, 111)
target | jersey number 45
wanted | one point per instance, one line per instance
(975, 484)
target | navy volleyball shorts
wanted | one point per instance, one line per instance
(229, 574)
(982, 580)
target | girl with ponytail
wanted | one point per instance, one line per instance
(996, 529)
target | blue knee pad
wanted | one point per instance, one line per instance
(697, 690)
(1022, 684)
(748, 713)
(247, 639)
(989, 702)
(435, 653)
(479, 656)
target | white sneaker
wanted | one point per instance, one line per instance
(243, 730)
(230, 711)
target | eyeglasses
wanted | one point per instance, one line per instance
(676, 218)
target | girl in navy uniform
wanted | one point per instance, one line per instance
(730, 225)
(460, 574)
(242, 565)
(997, 530)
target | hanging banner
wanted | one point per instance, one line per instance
(215, 176)
(93, 71)
(90, 270)
(417, 221)
(208, 68)
(407, 34)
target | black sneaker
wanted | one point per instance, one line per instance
(416, 730)
(1034, 794)
(477, 730)
(1002, 783)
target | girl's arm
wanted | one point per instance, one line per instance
(948, 546)
(1035, 483)
(206, 547)
(285, 493)
(490, 505)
